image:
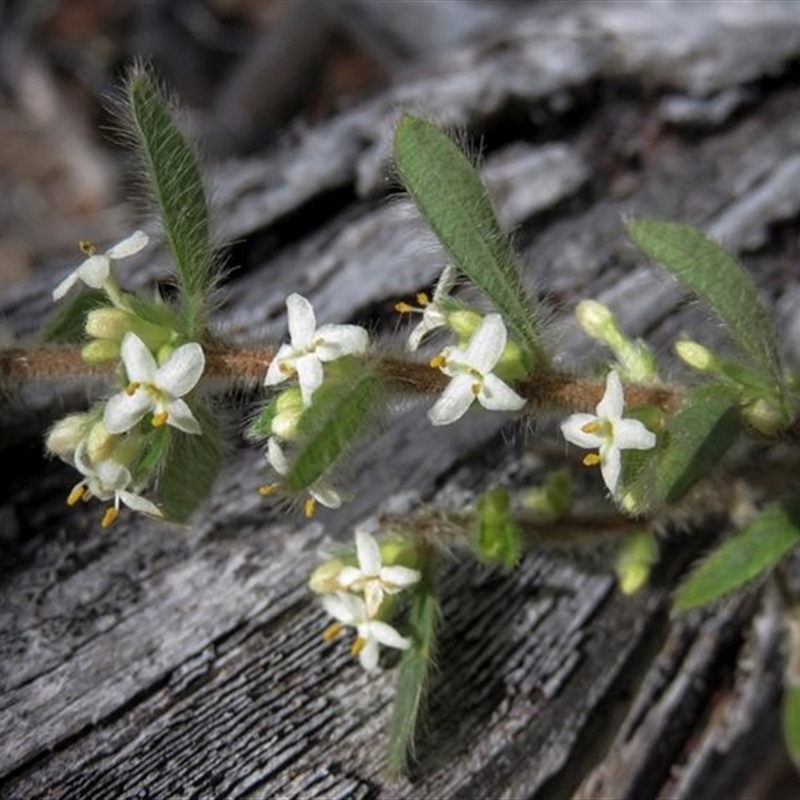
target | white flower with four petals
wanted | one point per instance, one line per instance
(320, 493)
(472, 376)
(371, 577)
(350, 610)
(155, 388)
(310, 347)
(608, 432)
(433, 315)
(96, 269)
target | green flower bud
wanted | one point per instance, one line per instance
(325, 578)
(100, 350)
(765, 416)
(634, 561)
(288, 410)
(99, 443)
(695, 355)
(464, 323)
(598, 322)
(107, 323)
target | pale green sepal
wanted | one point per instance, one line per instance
(745, 556)
(178, 189)
(494, 535)
(180, 489)
(449, 194)
(412, 678)
(717, 278)
(790, 722)
(329, 427)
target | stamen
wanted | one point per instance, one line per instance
(437, 362)
(160, 419)
(475, 389)
(332, 631)
(357, 646)
(132, 388)
(268, 489)
(403, 308)
(592, 427)
(110, 515)
(423, 299)
(87, 248)
(591, 460)
(309, 507)
(285, 368)
(76, 494)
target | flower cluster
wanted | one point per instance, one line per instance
(354, 596)
(109, 446)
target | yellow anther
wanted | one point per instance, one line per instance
(357, 646)
(110, 515)
(403, 308)
(160, 419)
(591, 460)
(132, 388)
(437, 362)
(309, 507)
(592, 427)
(475, 389)
(268, 489)
(423, 299)
(87, 248)
(285, 369)
(332, 631)
(76, 494)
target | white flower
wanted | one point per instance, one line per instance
(371, 576)
(347, 609)
(95, 270)
(321, 494)
(471, 370)
(107, 480)
(433, 315)
(311, 347)
(154, 388)
(609, 432)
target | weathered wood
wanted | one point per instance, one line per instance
(150, 661)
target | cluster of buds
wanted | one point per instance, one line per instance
(356, 595)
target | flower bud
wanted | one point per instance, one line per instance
(107, 323)
(765, 416)
(100, 350)
(67, 434)
(288, 410)
(325, 578)
(597, 321)
(464, 323)
(99, 443)
(695, 355)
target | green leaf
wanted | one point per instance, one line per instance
(745, 556)
(67, 326)
(339, 411)
(494, 534)
(697, 437)
(449, 194)
(718, 279)
(412, 679)
(178, 189)
(790, 720)
(189, 467)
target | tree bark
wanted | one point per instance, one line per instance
(158, 661)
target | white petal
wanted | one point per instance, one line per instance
(454, 401)
(95, 271)
(140, 504)
(572, 429)
(445, 283)
(335, 341)
(113, 476)
(346, 608)
(387, 635)
(180, 416)
(140, 366)
(610, 467)
(369, 553)
(66, 285)
(302, 322)
(275, 456)
(368, 657)
(610, 407)
(496, 395)
(127, 247)
(350, 578)
(373, 597)
(274, 372)
(123, 411)
(396, 577)
(310, 376)
(631, 434)
(180, 373)
(487, 344)
(326, 496)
